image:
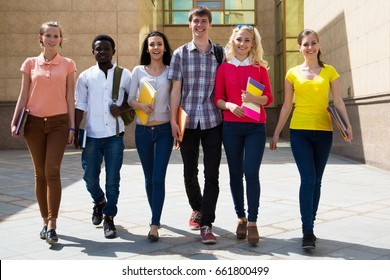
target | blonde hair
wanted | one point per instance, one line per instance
(45, 26)
(256, 53)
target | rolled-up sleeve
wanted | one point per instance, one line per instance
(81, 96)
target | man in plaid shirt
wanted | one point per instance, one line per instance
(192, 71)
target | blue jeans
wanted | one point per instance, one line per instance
(111, 149)
(211, 140)
(154, 145)
(244, 145)
(311, 149)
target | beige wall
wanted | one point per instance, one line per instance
(354, 35)
(355, 38)
(127, 21)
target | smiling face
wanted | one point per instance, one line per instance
(242, 43)
(156, 47)
(51, 38)
(310, 46)
(200, 26)
(103, 51)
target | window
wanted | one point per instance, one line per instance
(289, 24)
(228, 12)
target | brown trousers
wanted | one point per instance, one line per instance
(46, 139)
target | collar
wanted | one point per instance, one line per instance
(192, 46)
(56, 60)
(237, 63)
(111, 69)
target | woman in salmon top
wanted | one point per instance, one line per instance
(47, 91)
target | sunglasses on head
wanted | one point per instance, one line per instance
(244, 25)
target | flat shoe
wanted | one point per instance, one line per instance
(51, 236)
(152, 237)
(43, 232)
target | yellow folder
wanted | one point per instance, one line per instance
(147, 95)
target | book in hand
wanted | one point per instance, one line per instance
(21, 120)
(256, 88)
(338, 120)
(82, 136)
(147, 95)
(182, 118)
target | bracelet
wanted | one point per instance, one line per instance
(72, 129)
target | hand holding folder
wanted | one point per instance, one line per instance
(252, 110)
(21, 120)
(338, 120)
(182, 118)
(147, 95)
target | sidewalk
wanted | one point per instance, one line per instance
(353, 220)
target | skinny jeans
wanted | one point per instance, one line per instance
(46, 140)
(311, 149)
(244, 145)
(154, 145)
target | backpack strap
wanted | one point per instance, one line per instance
(116, 83)
(115, 90)
(218, 52)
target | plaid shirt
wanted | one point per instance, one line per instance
(197, 72)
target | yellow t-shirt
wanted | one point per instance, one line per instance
(311, 99)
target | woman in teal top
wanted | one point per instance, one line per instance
(310, 128)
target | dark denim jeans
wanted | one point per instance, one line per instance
(311, 149)
(244, 145)
(154, 145)
(211, 141)
(111, 149)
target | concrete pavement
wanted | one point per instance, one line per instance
(353, 220)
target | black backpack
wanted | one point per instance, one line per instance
(218, 52)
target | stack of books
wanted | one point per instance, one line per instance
(256, 88)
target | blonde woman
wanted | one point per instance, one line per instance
(243, 137)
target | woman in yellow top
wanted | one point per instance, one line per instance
(311, 127)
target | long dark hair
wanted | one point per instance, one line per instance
(145, 55)
(305, 33)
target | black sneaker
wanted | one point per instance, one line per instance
(43, 232)
(308, 241)
(109, 227)
(51, 236)
(97, 214)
